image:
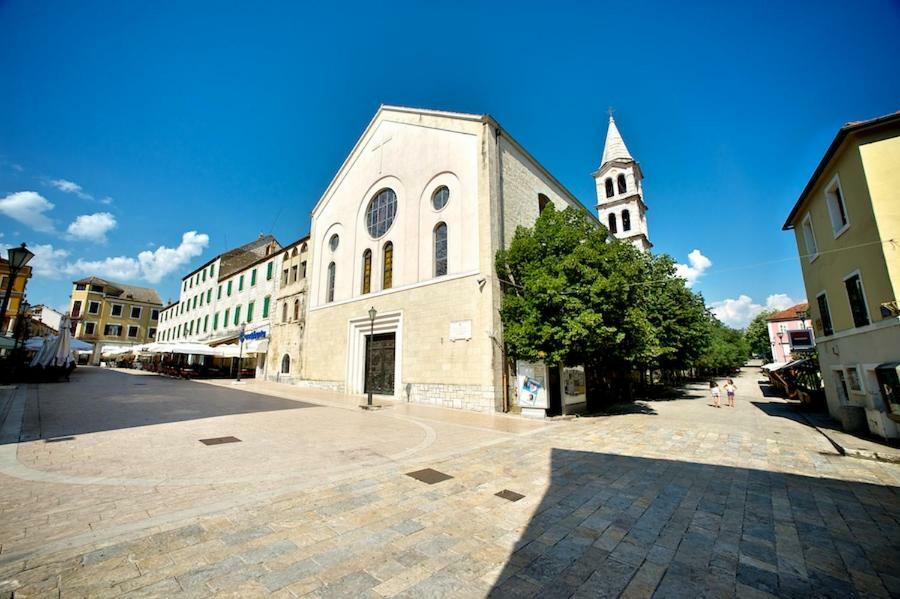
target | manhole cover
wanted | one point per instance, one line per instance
(509, 495)
(429, 476)
(220, 440)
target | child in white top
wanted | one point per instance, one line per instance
(730, 389)
(714, 389)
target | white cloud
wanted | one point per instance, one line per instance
(71, 187)
(48, 261)
(17, 167)
(121, 268)
(150, 266)
(106, 200)
(694, 269)
(92, 227)
(28, 207)
(739, 312)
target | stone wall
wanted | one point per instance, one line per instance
(464, 397)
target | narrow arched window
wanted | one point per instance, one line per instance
(621, 182)
(542, 202)
(440, 250)
(296, 309)
(284, 312)
(609, 188)
(293, 252)
(329, 283)
(626, 220)
(612, 223)
(286, 364)
(367, 271)
(387, 276)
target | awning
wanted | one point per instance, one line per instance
(789, 365)
(773, 366)
(114, 350)
(196, 349)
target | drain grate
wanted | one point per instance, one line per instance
(509, 495)
(429, 476)
(59, 439)
(220, 440)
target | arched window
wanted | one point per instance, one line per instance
(296, 309)
(286, 256)
(294, 252)
(440, 250)
(367, 271)
(612, 223)
(626, 220)
(621, 181)
(303, 248)
(285, 364)
(329, 284)
(609, 188)
(387, 277)
(284, 312)
(542, 202)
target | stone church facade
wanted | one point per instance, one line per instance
(410, 226)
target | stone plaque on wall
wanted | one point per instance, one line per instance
(460, 330)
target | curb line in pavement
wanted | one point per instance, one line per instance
(860, 454)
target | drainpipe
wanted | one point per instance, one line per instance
(502, 224)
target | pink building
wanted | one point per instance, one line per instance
(780, 324)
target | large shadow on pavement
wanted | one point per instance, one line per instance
(101, 400)
(666, 528)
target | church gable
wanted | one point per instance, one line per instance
(411, 179)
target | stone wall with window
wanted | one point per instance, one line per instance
(287, 314)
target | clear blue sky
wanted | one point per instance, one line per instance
(231, 120)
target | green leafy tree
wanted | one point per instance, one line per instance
(678, 315)
(574, 295)
(727, 348)
(757, 336)
(570, 297)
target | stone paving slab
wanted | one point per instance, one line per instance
(681, 500)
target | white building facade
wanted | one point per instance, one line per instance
(620, 193)
(409, 228)
(233, 289)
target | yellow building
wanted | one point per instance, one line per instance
(847, 226)
(110, 314)
(8, 323)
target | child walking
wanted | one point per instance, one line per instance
(716, 394)
(730, 388)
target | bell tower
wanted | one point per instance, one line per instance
(620, 195)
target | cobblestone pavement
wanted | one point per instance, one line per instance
(108, 493)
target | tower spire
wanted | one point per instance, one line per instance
(614, 148)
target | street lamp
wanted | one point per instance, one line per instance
(18, 258)
(372, 314)
(241, 351)
(21, 323)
